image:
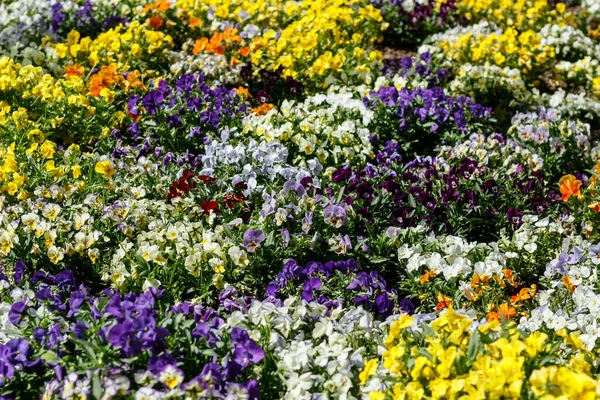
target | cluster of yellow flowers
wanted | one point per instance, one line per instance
(325, 37)
(262, 13)
(453, 360)
(129, 48)
(26, 93)
(309, 39)
(521, 14)
(509, 48)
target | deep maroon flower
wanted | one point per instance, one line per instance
(514, 217)
(341, 174)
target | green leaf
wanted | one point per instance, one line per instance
(49, 356)
(473, 347)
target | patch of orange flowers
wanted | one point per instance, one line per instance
(221, 42)
(158, 6)
(443, 302)
(108, 77)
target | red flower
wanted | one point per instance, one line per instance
(207, 179)
(209, 206)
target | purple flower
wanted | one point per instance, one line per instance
(19, 270)
(123, 335)
(14, 315)
(19, 350)
(253, 239)
(309, 286)
(335, 215)
(514, 217)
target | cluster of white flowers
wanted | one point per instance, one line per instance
(592, 7)
(331, 126)
(318, 351)
(568, 41)
(253, 159)
(455, 258)
(571, 104)
(472, 79)
(572, 300)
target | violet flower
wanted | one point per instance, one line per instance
(252, 239)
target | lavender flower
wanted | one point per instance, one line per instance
(253, 238)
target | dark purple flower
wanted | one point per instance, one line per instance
(514, 217)
(19, 270)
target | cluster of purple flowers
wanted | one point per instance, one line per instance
(411, 68)
(86, 18)
(335, 282)
(162, 343)
(180, 113)
(465, 197)
(412, 21)
(269, 86)
(408, 116)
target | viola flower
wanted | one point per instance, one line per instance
(252, 239)
(210, 206)
(171, 376)
(335, 215)
(570, 186)
(514, 216)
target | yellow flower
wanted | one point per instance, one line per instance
(61, 50)
(499, 58)
(36, 136)
(376, 396)
(104, 168)
(76, 170)
(47, 149)
(369, 369)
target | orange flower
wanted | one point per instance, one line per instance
(263, 109)
(134, 82)
(595, 206)
(195, 22)
(155, 22)
(74, 70)
(508, 274)
(505, 310)
(443, 302)
(567, 281)
(104, 78)
(427, 276)
(244, 51)
(243, 92)
(524, 294)
(200, 45)
(479, 280)
(569, 186)
(159, 6)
